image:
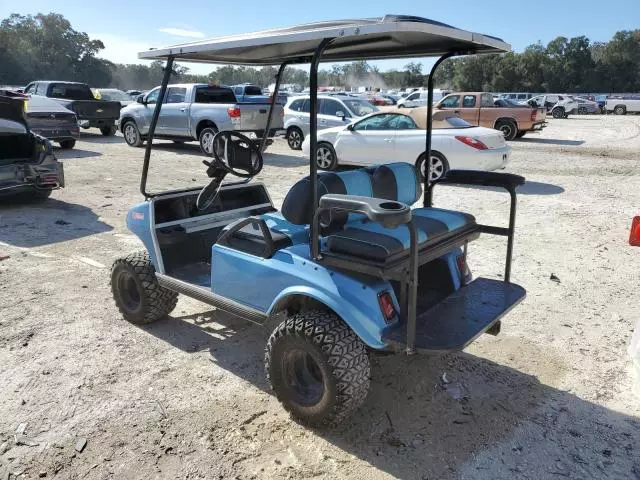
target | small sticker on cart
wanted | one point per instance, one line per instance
(137, 216)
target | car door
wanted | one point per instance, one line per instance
(368, 142)
(412, 100)
(450, 102)
(174, 113)
(469, 110)
(328, 114)
(409, 140)
(143, 116)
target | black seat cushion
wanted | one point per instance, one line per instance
(372, 241)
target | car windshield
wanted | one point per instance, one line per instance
(360, 107)
(70, 91)
(114, 95)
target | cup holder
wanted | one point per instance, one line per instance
(391, 206)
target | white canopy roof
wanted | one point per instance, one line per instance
(391, 36)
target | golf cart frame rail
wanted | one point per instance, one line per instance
(389, 37)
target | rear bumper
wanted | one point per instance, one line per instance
(48, 176)
(57, 134)
(539, 126)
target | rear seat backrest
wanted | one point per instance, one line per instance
(296, 207)
(396, 181)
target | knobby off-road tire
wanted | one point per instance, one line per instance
(318, 368)
(136, 291)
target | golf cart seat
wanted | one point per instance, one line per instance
(354, 235)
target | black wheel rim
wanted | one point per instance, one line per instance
(128, 291)
(507, 130)
(303, 377)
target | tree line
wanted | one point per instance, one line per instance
(45, 46)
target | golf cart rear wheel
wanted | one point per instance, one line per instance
(318, 368)
(136, 291)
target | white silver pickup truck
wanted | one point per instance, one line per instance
(193, 111)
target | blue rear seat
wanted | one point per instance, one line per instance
(355, 235)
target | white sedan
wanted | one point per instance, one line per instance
(399, 135)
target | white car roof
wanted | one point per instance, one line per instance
(391, 36)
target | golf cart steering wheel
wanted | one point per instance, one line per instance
(241, 157)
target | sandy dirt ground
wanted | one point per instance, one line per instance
(550, 397)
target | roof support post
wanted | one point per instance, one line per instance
(168, 69)
(263, 142)
(427, 200)
(313, 136)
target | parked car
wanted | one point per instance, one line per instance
(517, 97)
(377, 99)
(419, 98)
(586, 106)
(48, 118)
(27, 162)
(479, 108)
(115, 95)
(399, 134)
(194, 111)
(623, 103)
(78, 98)
(333, 110)
(560, 106)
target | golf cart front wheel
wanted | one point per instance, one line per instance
(136, 291)
(318, 368)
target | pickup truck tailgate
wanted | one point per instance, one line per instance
(95, 109)
(253, 116)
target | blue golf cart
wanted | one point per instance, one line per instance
(348, 260)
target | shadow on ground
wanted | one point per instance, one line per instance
(93, 135)
(481, 420)
(550, 141)
(65, 154)
(52, 221)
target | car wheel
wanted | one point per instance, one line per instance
(108, 131)
(326, 157)
(620, 110)
(136, 291)
(439, 166)
(206, 140)
(582, 111)
(558, 112)
(402, 105)
(318, 368)
(295, 138)
(67, 144)
(508, 128)
(132, 134)
(520, 134)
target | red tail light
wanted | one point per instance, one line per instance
(534, 114)
(472, 142)
(234, 112)
(386, 306)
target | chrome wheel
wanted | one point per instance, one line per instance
(324, 157)
(437, 168)
(294, 139)
(130, 133)
(206, 142)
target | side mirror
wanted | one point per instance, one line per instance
(140, 99)
(340, 114)
(350, 127)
